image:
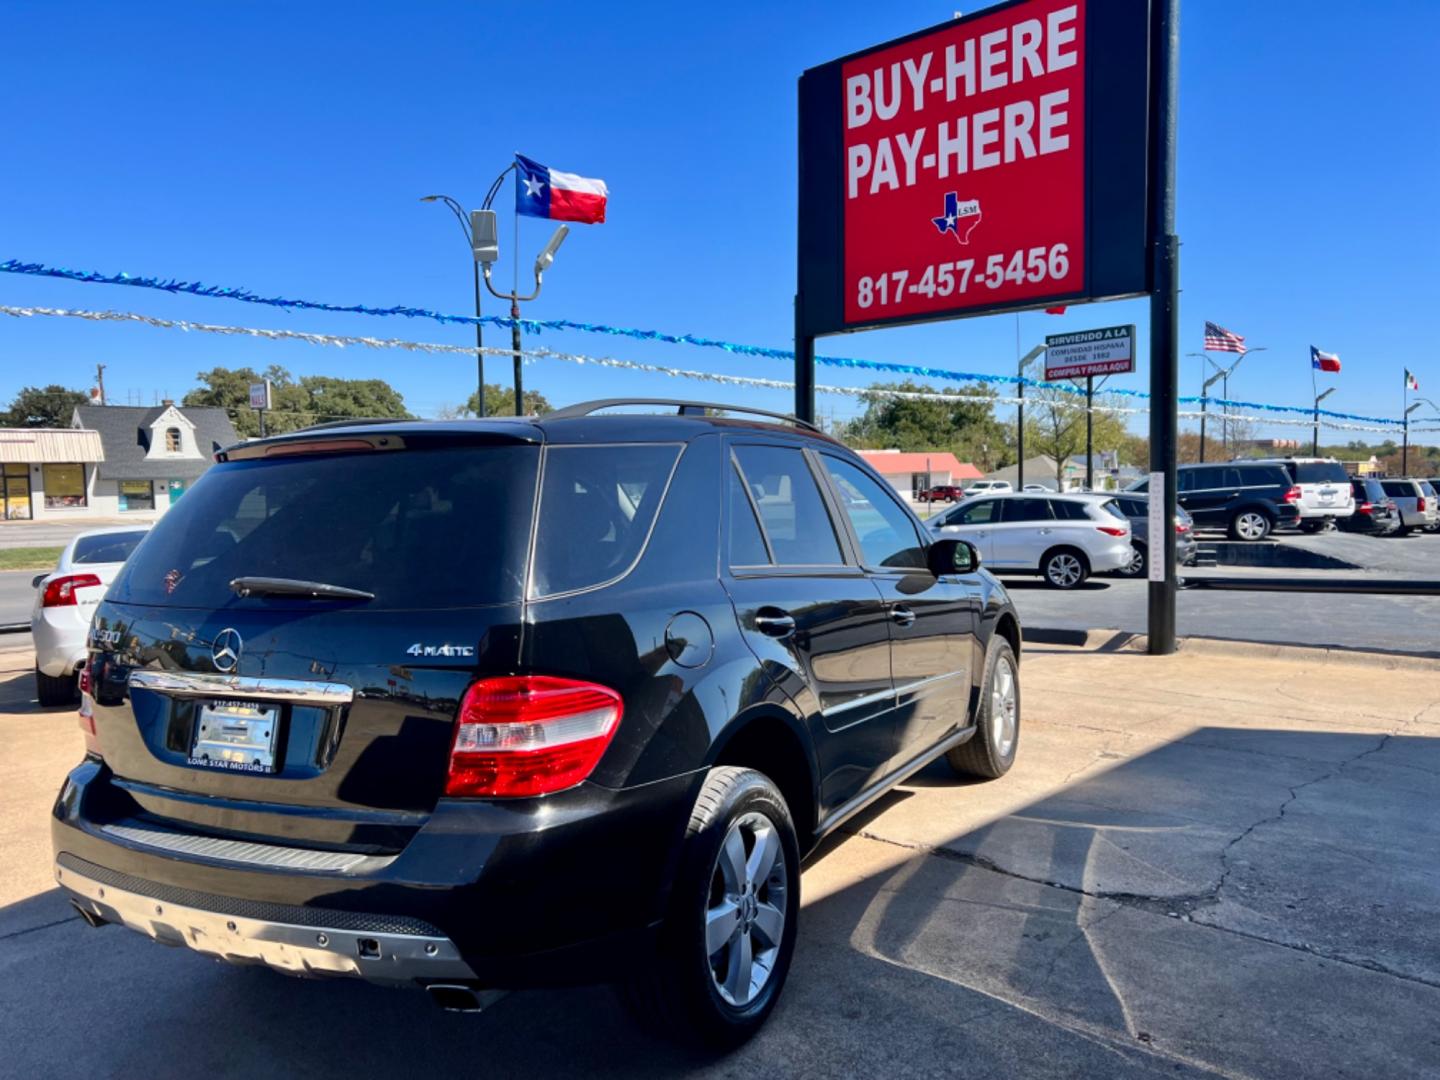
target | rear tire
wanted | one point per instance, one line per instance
(1065, 568)
(990, 752)
(1312, 526)
(1251, 525)
(52, 691)
(739, 872)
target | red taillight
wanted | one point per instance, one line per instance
(521, 735)
(60, 591)
(87, 713)
(1181, 528)
(1420, 505)
(1293, 495)
(1112, 530)
(1364, 508)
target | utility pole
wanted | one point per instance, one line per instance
(1025, 361)
(100, 381)
(475, 266)
(1315, 443)
(1164, 321)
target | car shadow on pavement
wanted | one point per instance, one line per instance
(1214, 906)
(17, 695)
(1021, 584)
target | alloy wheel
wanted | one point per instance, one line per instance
(1064, 570)
(1251, 526)
(1004, 708)
(1136, 566)
(745, 918)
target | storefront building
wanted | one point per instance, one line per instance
(115, 462)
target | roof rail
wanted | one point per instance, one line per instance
(682, 408)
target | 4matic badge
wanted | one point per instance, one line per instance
(420, 649)
(959, 217)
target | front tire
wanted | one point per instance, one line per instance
(990, 752)
(1064, 568)
(53, 691)
(726, 944)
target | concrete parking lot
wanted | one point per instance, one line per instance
(1215, 864)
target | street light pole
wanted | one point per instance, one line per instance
(475, 266)
(1405, 446)
(1025, 362)
(1315, 444)
(1225, 374)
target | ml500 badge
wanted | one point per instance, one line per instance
(419, 649)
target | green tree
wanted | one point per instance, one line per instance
(314, 399)
(50, 406)
(1055, 425)
(967, 428)
(500, 401)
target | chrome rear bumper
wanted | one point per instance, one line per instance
(397, 959)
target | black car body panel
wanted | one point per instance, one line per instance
(1215, 494)
(881, 670)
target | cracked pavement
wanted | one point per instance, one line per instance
(1213, 864)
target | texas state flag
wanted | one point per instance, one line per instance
(550, 193)
(1324, 361)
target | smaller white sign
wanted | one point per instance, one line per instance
(260, 395)
(1109, 350)
(1158, 525)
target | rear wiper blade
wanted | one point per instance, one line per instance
(312, 590)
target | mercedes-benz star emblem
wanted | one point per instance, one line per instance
(225, 649)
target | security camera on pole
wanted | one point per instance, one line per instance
(539, 192)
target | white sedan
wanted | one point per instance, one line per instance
(1064, 538)
(65, 599)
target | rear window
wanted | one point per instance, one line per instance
(1321, 472)
(1065, 510)
(597, 504)
(437, 528)
(106, 548)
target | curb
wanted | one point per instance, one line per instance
(1196, 645)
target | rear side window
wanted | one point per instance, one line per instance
(747, 545)
(1266, 476)
(979, 513)
(887, 535)
(1065, 510)
(791, 510)
(1321, 472)
(1113, 508)
(106, 548)
(440, 528)
(1399, 489)
(597, 504)
(1022, 510)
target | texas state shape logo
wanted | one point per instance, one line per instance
(959, 218)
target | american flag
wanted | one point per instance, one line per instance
(1218, 339)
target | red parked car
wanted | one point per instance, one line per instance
(942, 493)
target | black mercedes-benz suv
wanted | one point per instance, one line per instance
(482, 705)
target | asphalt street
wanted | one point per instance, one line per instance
(16, 595)
(16, 534)
(1205, 865)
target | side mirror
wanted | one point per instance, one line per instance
(35, 581)
(952, 557)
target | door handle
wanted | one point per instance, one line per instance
(774, 622)
(902, 615)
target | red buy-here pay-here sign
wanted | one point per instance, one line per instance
(964, 156)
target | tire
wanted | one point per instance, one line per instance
(52, 691)
(1139, 562)
(1403, 530)
(1312, 526)
(688, 990)
(1065, 568)
(1251, 525)
(990, 752)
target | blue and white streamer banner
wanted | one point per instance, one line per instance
(533, 355)
(536, 326)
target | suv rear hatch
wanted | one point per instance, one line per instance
(1324, 488)
(228, 703)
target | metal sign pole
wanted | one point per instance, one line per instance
(804, 367)
(1164, 322)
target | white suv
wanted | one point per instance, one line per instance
(1065, 538)
(1325, 491)
(988, 487)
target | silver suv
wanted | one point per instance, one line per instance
(1325, 492)
(1415, 499)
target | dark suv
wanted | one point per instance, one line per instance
(1249, 500)
(492, 704)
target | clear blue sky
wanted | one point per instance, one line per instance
(282, 147)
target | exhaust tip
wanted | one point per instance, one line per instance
(456, 997)
(89, 916)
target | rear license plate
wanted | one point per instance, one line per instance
(236, 735)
